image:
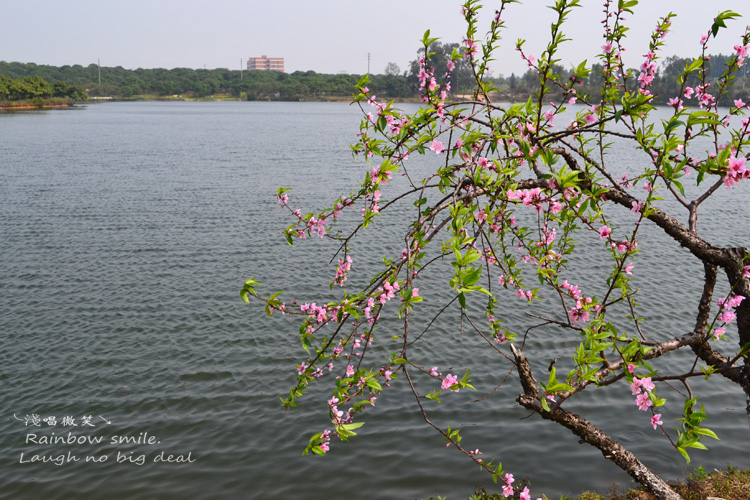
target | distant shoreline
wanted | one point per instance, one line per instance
(4, 107)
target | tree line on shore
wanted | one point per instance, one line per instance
(34, 87)
(29, 80)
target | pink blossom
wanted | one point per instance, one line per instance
(628, 269)
(450, 381)
(648, 187)
(735, 171)
(635, 386)
(607, 47)
(507, 488)
(675, 102)
(746, 271)
(718, 332)
(739, 103)
(434, 371)
(525, 495)
(643, 401)
(647, 384)
(604, 232)
(437, 147)
(631, 367)
(480, 216)
(656, 420)
(349, 370)
(735, 301)
(636, 206)
(727, 316)
(590, 118)
(689, 92)
(579, 314)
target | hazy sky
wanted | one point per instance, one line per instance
(326, 36)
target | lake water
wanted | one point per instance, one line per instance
(127, 230)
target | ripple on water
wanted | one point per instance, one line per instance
(125, 241)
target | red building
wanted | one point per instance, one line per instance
(264, 63)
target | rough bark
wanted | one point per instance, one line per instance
(611, 449)
(589, 433)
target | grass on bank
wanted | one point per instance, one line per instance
(37, 102)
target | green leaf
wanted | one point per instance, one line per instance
(472, 276)
(706, 432)
(352, 426)
(545, 405)
(373, 384)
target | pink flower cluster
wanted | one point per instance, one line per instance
(342, 272)
(386, 293)
(726, 315)
(425, 76)
(706, 99)
(317, 225)
(376, 176)
(508, 488)
(326, 437)
(741, 54)
(735, 171)
(529, 197)
(641, 387)
(340, 205)
(339, 416)
(676, 103)
(579, 312)
(471, 49)
(319, 313)
(648, 71)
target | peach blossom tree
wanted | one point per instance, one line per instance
(514, 186)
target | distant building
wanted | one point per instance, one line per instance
(264, 63)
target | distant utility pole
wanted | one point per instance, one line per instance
(99, 65)
(240, 68)
(368, 63)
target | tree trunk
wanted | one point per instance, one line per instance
(589, 433)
